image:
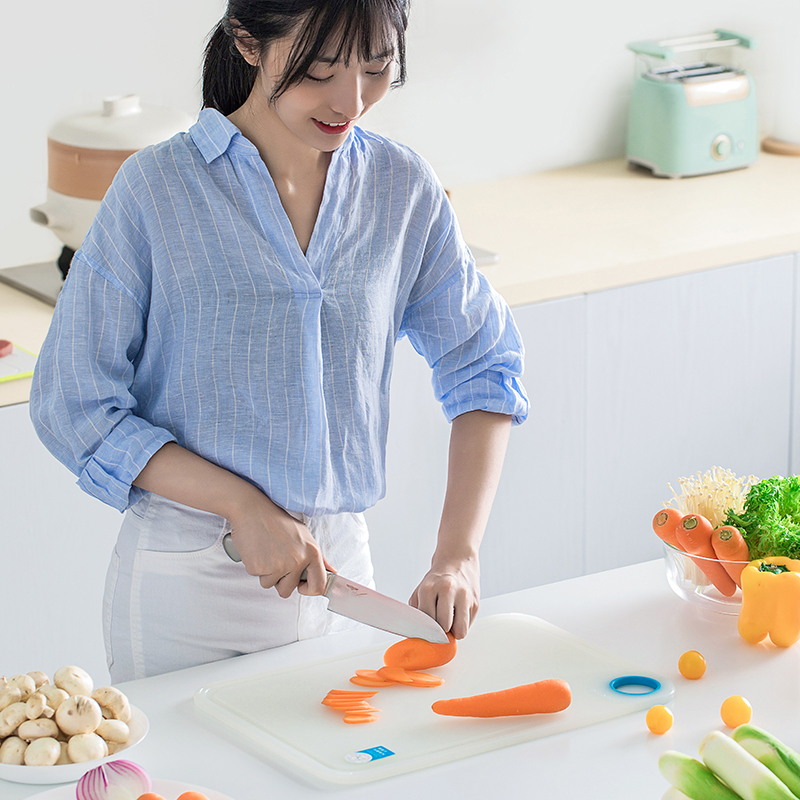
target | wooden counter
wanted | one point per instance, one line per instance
(25, 321)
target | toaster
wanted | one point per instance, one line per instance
(695, 116)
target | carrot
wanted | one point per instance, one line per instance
(359, 681)
(192, 796)
(665, 524)
(731, 548)
(358, 719)
(542, 697)
(694, 536)
(395, 674)
(417, 654)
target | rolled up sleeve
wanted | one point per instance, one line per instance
(464, 329)
(82, 405)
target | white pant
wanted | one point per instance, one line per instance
(174, 599)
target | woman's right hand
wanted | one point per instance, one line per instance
(276, 548)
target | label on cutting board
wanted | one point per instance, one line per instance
(370, 754)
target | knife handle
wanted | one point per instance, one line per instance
(233, 553)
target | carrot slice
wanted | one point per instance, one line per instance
(359, 681)
(358, 719)
(370, 674)
(424, 678)
(350, 695)
(414, 654)
(542, 697)
(395, 674)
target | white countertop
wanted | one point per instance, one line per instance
(630, 612)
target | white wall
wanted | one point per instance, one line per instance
(496, 87)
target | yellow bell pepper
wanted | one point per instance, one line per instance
(771, 601)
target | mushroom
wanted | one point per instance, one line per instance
(9, 695)
(12, 751)
(11, 717)
(42, 752)
(86, 747)
(73, 680)
(39, 678)
(113, 730)
(37, 707)
(54, 695)
(24, 683)
(78, 714)
(113, 703)
(64, 757)
(37, 729)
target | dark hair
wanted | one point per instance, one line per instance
(364, 27)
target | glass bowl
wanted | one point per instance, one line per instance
(689, 581)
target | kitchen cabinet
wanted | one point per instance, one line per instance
(57, 543)
(682, 374)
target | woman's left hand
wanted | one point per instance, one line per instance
(450, 593)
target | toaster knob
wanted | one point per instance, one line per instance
(721, 147)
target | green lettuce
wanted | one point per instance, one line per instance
(770, 521)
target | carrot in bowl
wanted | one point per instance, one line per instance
(694, 536)
(542, 697)
(731, 548)
(665, 525)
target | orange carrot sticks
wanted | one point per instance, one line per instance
(542, 697)
(417, 654)
(730, 547)
(694, 536)
(665, 524)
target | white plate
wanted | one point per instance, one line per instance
(169, 790)
(67, 773)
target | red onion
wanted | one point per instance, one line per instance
(116, 780)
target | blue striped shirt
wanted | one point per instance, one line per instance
(191, 314)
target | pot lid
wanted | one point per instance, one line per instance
(121, 123)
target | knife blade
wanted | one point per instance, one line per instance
(362, 604)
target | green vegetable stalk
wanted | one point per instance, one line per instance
(772, 753)
(743, 773)
(693, 779)
(770, 521)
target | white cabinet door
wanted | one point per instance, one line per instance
(535, 532)
(57, 542)
(683, 374)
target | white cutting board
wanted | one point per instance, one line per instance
(279, 714)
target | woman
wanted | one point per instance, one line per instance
(221, 352)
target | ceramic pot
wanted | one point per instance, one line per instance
(85, 151)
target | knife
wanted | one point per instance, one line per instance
(354, 601)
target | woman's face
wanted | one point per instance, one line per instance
(321, 109)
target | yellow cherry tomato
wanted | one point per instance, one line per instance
(659, 719)
(735, 711)
(692, 665)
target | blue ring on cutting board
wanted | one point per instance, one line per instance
(635, 680)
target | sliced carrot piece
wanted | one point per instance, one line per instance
(396, 674)
(359, 681)
(424, 678)
(416, 654)
(369, 674)
(350, 692)
(358, 719)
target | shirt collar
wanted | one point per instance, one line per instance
(213, 134)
